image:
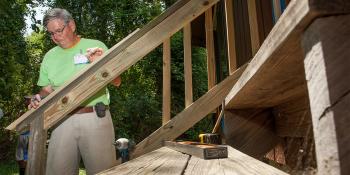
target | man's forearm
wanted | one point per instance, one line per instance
(45, 91)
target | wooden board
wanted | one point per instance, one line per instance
(188, 64)
(209, 40)
(230, 35)
(189, 116)
(37, 147)
(161, 161)
(236, 163)
(113, 63)
(166, 81)
(200, 150)
(253, 26)
(168, 161)
(276, 73)
(327, 63)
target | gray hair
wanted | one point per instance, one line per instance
(57, 13)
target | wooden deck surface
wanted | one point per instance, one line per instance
(168, 161)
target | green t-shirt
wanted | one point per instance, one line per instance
(58, 67)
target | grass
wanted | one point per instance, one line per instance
(11, 168)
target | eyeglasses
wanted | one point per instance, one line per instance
(59, 31)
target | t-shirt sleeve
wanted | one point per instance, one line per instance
(103, 46)
(43, 75)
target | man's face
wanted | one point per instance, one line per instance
(61, 33)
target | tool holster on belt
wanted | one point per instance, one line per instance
(100, 109)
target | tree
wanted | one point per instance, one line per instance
(15, 80)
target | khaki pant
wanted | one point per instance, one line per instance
(83, 136)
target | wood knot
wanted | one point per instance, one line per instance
(205, 3)
(105, 74)
(64, 100)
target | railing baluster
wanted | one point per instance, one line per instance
(188, 64)
(166, 81)
(230, 35)
(254, 27)
(209, 37)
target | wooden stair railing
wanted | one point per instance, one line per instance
(114, 62)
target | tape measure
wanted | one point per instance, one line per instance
(212, 138)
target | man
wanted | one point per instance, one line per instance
(22, 144)
(22, 151)
(88, 132)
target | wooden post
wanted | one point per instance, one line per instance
(166, 81)
(254, 27)
(326, 44)
(209, 38)
(230, 32)
(188, 65)
(37, 148)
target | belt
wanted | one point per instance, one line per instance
(81, 110)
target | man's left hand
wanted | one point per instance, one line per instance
(93, 53)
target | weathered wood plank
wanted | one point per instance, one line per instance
(200, 150)
(276, 73)
(189, 116)
(37, 147)
(113, 63)
(166, 81)
(253, 26)
(161, 161)
(230, 33)
(250, 131)
(209, 40)
(326, 44)
(236, 163)
(188, 64)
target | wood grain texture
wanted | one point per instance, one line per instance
(253, 26)
(37, 147)
(188, 65)
(113, 63)
(160, 161)
(209, 40)
(188, 117)
(327, 64)
(276, 72)
(230, 35)
(167, 161)
(250, 131)
(237, 163)
(166, 81)
(203, 151)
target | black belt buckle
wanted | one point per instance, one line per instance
(100, 109)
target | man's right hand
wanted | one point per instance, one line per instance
(34, 101)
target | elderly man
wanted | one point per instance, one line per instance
(88, 133)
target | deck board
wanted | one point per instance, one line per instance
(160, 161)
(167, 161)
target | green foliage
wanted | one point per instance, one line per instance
(15, 80)
(9, 168)
(136, 105)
